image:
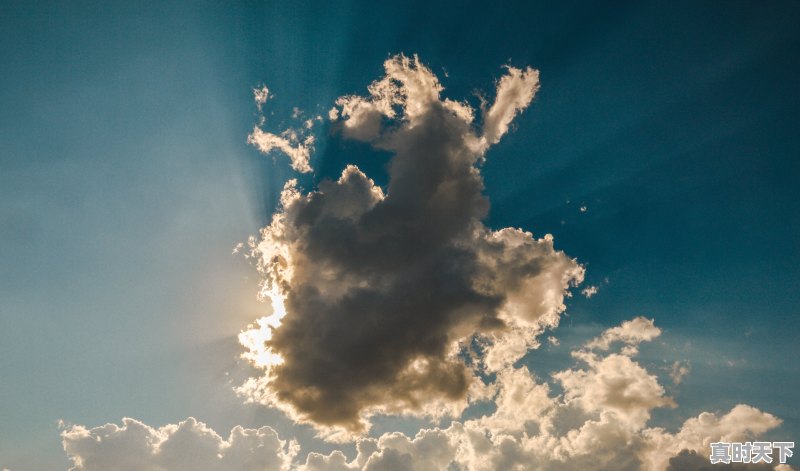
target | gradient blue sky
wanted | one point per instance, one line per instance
(126, 180)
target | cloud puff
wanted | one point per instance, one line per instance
(630, 333)
(260, 96)
(378, 294)
(187, 445)
(614, 383)
(741, 423)
(589, 291)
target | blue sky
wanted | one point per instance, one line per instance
(126, 180)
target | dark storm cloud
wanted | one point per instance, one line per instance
(379, 289)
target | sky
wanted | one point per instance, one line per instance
(591, 204)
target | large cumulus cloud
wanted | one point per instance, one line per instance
(378, 294)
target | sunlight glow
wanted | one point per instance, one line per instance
(255, 338)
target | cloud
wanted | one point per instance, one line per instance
(514, 93)
(297, 143)
(260, 96)
(631, 333)
(589, 291)
(679, 370)
(532, 428)
(187, 445)
(689, 460)
(614, 383)
(743, 422)
(378, 294)
(599, 422)
(291, 142)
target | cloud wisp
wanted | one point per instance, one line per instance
(296, 143)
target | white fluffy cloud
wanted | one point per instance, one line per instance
(190, 444)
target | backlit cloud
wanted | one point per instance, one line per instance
(378, 294)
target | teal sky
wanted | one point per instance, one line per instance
(126, 181)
